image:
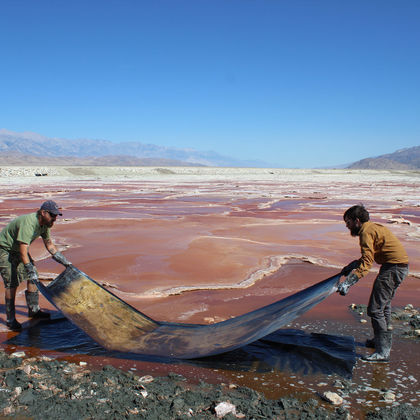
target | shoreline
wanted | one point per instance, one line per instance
(44, 388)
(46, 173)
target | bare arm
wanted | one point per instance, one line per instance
(57, 255)
(49, 245)
(30, 269)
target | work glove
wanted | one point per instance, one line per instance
(32, 274)
(344, 286)
(60, 258)
(350, 267)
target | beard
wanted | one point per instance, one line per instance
(354, 231)
(48, 223)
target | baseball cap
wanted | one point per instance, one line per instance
(51, 207)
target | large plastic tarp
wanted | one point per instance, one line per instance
(286, 350)
(117, 326)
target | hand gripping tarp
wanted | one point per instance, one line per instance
(115, 325)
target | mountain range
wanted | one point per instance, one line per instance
(405, 159)
(34, 149)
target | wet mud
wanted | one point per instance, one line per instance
(42, 388)
(201, 248)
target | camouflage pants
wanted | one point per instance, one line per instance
(12, 269)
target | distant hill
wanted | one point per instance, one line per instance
(401, 159)
(16, 158)
(33, 148)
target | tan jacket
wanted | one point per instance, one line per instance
(379, 244)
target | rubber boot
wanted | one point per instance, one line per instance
(11, 322)
(370, 343)
(383, 344)
(32, 300)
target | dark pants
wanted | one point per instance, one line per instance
(386, 283)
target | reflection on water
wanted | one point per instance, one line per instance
(285, 350)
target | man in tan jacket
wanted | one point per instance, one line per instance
(379, 244)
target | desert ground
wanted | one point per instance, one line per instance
(201, 245)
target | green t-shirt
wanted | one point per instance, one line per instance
(24, 229)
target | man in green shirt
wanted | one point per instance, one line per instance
(16, 264)
(379, 244)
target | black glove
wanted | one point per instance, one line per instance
(30, 270)
(60, 258)
(344, 287)
(350, 267)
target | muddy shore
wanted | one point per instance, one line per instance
(43, 388)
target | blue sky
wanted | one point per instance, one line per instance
(294, 83)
